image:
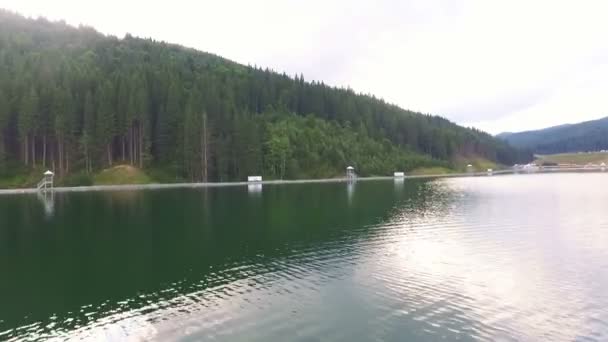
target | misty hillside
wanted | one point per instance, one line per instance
(584, 136)
(75, 100)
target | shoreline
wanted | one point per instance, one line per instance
(160, 186)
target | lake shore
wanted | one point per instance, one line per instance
(153, 186)
(157, 186)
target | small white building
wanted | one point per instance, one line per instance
(530, 167)
(399, 174)
(46, 182)
(254, 178)
(350, 172)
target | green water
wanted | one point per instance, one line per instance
(510, 257)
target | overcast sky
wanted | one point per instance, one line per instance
(496, 65)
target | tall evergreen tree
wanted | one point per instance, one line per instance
(87, 139)
(168, 124)
(106, 126)
(27, 117)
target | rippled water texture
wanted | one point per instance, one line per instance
(521, 257)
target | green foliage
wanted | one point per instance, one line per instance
(297, 147)
(79, 101)
(165, 174)
(422, 171)
(278, 147)
(76, 179)
(18, 176)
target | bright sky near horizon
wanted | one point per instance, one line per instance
(496, 65)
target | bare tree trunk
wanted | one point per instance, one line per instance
(131, 144)
(282, 167)
(124, 157)
(2, 150)
(26, 150)
(52, 159)
(86, 157)
(60, 154)
(62, 157)
(204, 151)
(44, 151)
(33, 150)
(67, 162)
(134, 141)
(109, 148)
(141, 145)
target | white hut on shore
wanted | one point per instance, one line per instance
(350, 172)
(254, 179)
(47, 182)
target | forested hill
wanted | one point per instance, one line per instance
(580, 137)
(75, 100)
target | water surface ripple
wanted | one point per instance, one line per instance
(509, 258)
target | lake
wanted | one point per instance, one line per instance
(519, 257)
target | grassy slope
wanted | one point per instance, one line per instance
(573, 158)
(430, 171)
(479, 164)
(459, 165)
(121, 174)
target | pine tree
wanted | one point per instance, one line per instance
(87, 140)
(106, 125)
(191, 136)
(26, 125)
(60, 125)
(168, 124)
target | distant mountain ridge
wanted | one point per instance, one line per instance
(584, 136)
(503, 135)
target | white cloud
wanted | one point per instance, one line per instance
(498, 65)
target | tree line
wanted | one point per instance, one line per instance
(580, 137)
(74, 100)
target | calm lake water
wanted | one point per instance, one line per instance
(522, 257)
